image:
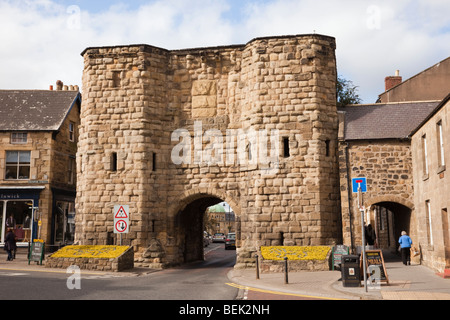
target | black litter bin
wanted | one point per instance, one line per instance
(350, 271)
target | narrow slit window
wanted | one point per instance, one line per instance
(286, 150)
(114, 161)
(154, 161)
(327, 148)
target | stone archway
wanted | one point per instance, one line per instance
(165, 132)
(187, 221)
(390, 215)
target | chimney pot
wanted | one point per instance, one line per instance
(59, 85)
(51, 88)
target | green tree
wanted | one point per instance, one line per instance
(346, 92)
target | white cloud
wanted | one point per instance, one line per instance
(44, 40)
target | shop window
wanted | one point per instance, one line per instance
(2, 234)
(64, 222)
(19, 218)
(17, 165)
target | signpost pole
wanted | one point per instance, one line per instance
(361, 208)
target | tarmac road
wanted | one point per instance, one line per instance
(203, 280)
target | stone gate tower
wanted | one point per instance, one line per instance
(172, 132)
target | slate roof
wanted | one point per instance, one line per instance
(385, 120)
(35, 110)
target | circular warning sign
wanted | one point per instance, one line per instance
(121, 226)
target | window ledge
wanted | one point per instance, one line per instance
(441, 169)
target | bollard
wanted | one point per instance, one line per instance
(257, 267)
(286, 281)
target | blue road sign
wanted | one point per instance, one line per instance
(359, 182)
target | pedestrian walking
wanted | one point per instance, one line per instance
(371, 236)
(10, 244)
(405, 246)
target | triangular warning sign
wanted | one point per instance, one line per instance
(121, 213)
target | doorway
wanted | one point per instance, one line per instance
(390, 219)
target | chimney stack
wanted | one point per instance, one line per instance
(59, 85)
(392, 81)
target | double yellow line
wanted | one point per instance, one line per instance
(278, 292)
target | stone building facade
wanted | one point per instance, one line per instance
(38, 145)
(374, 143)
(431, 153)
(172, 132)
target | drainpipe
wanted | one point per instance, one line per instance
(349, 183)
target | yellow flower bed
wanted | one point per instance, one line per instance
(105, 252)
(295, 253)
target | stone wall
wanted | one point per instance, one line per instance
(432, 190)
(121, 263)
(387, 165)
(136, 97)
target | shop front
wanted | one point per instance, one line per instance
(19, 211)
(63, 217)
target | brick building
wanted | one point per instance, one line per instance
(38, 143)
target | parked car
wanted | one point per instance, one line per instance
(218, 237)
(230, 241)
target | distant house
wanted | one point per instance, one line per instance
(430, 84)
(220, 219)
(38, 145)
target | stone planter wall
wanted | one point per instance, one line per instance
(122, 263)
(277, 266)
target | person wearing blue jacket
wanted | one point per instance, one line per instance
(405, 245)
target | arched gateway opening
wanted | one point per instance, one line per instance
(191, 224)
(389, 219)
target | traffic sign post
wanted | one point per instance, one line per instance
(121, 220)
(359, 185)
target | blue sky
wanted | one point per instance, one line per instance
(41, 40)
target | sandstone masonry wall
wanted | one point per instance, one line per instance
(135, 97)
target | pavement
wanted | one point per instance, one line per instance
(412, 282)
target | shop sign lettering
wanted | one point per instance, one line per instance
(7, 196)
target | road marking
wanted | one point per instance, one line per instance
(278, 292)
(13, 274)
